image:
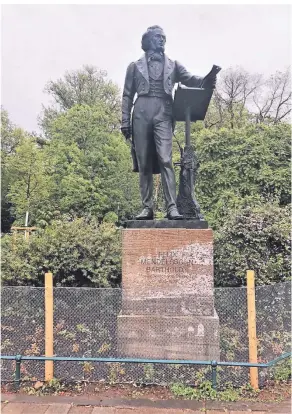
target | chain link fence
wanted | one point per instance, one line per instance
(22, 329)
(86, 325)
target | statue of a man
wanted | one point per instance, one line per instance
(152, 78)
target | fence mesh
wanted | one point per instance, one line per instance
(86, 325)
(22, 329)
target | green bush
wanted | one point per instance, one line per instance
(256, 238)
(78, 253)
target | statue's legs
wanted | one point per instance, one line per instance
(152, 129)
(145, 148)
(163, 142)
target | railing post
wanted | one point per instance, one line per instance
(214, 374)
(252, 334)
(49, 326)
(17, 372)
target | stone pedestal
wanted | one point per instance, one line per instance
(168, 294)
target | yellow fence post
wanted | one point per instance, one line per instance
(252, 333)
(49, 326)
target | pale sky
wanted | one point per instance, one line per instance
(41, 42)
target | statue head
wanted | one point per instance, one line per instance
(154, 39)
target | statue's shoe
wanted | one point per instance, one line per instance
(146, 214)
(174, 215)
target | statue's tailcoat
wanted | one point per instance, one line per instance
(152, 123)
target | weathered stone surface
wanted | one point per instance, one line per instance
(184, 305)
(160, 263)
(168, 302)
(169, 337)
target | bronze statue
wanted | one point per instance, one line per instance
(152, 78)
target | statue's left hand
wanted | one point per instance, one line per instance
(127, 132)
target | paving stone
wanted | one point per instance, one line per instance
(142, 410)
(59, 409)
(221, 411)
(80, 409)
(245, 412)
(35, 409)
(13, 408)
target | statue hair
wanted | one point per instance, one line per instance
(145, 44)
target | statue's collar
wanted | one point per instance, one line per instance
(142, 66)
(153, 55)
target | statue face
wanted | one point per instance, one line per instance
(157, 40)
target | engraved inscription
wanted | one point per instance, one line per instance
(177, 261)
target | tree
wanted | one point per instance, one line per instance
(29, 185)
(255, 238)
(91, 165)
(273, 100)
(241, 98)
(83, 170)
(88, 86)
(229, 107)
(11, 137)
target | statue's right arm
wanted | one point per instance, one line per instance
(128, 96)
(186, 78)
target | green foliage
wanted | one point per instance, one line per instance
(11, 137)
(220, 116)
(231, 343)
(86, 86)
(282, 371)
(204, 391)
(273, 343)
(149, 372)
(84, 169)
(255, 238)
(84, 125)
(250, 164)
(53, 386)
(78, 253)
(244, 191)
(90, 165)
(29, 184)
(116, 370)
(110, 217)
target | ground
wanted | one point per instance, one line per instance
(131, 399)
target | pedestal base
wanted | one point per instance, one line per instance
(168, 293)
(169, 337)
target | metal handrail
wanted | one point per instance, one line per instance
(213, 364)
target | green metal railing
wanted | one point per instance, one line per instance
(213, 364)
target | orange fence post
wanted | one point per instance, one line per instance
(49, 326)
(252, 333)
